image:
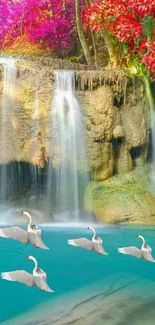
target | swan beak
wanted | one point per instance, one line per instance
(27, 258)
(88, 228)
(137, 236)
(22, 213)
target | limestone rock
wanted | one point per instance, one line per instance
(124, 164)
(118, 131)
(104, 122)
(122, 199)
(99, 115)
(135, 115)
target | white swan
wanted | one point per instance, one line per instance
(94, 244)
(145, 251)
(38, 278)
(31, 225)
(32, 235)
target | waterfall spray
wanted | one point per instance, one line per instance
(34, 170)
(152, 112)
(9, 71)
(66, 179)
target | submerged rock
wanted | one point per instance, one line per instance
(123, 198)
(123, 300)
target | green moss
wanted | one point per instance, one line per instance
(121, 197)
(88, 197)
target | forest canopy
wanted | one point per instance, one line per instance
(100, 32)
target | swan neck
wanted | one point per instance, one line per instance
(30, 218)
(35, 262)
(93, 232)
(143, 240)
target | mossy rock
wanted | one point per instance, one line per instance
(121, 199)
(88, 197)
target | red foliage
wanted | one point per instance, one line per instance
(143, 45)
(149, 59)
(142, 8)
(126, 28)
(127, 21)
(102, 14)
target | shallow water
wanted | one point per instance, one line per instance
(89, 288)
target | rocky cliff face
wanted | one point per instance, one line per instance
(118, 140)
(124, 198)
(117, 128)
(115, 112)
(27, 133)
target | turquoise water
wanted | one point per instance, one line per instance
(72, 269)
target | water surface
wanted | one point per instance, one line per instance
(89, 288)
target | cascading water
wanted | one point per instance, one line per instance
(34, 170)
(7, 112)
(152, 114)
(67, 174)
(16, 178)
(64, 180)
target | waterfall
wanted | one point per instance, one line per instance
(67, 176)
(15, 177)
(152, 112)
(9, 70)
(152, 115)
(34, 170)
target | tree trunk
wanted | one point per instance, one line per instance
(93, 36)
(111, 49)
(81, 35)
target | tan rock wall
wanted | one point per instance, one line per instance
(122, 199)
(28, 137)
(26, 134)
(112, 131)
